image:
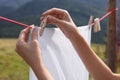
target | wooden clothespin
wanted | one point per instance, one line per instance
(97, 25)
(90, 21)
(42, 25)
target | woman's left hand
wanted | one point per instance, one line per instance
(30, 52)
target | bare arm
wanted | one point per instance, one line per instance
(94, 64)
(97, 68)
(31, 53)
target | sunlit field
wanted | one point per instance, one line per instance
(12, 67)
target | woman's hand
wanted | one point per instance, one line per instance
(30, 52)
(61, 19)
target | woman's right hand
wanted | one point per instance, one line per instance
(62, 19)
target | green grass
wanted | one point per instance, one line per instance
(100, 51)
(12, 66)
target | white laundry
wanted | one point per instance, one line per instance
(59, 56)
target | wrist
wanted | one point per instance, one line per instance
(42, 72)
(39, 69)
(37, 65)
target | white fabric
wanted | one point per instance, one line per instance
(59, 56)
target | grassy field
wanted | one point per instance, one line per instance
(12, 67)
(100, 51)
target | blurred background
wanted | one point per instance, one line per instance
(12, 67)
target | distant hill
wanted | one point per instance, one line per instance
(13, 3)
(80, 11)
(4, 10)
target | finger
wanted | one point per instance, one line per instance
(55, 21)
(21, 39)
(53, 11)
(35, 34)
(27, 30)
(24, 34)
(27, 33)
(42, 18)
(58, 13)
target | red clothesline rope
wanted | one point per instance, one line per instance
(13, 21)
(107, 14)
(25, 25)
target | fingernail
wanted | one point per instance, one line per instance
(32, 25)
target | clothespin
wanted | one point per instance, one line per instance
(97, 25)
(42, 25)
(90, 21)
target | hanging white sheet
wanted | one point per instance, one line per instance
(59, 56)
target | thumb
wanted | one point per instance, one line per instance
(35, 33)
